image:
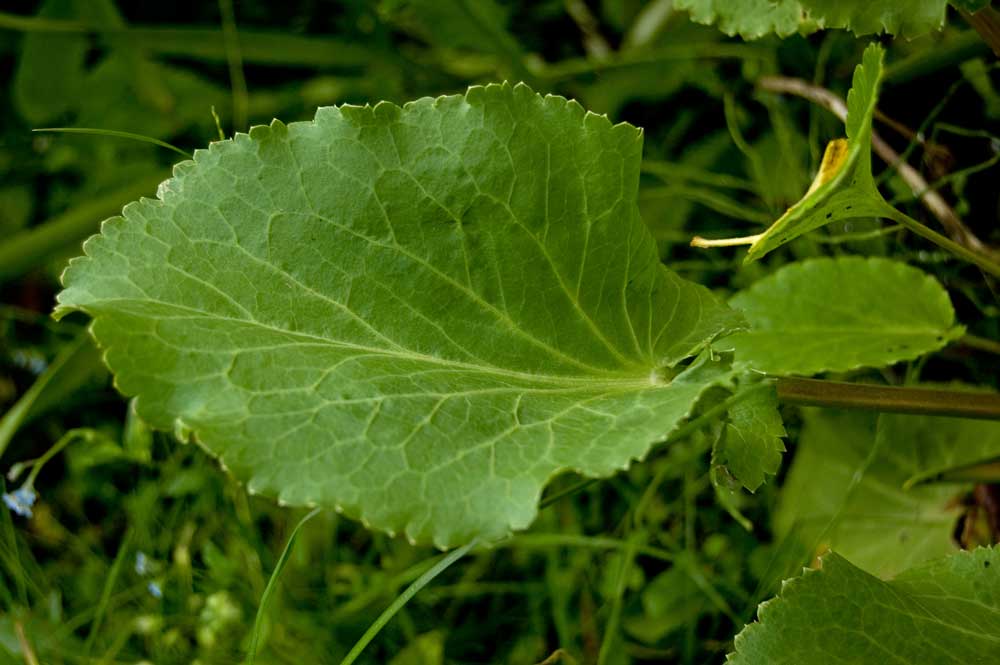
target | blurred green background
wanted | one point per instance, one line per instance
(723, 158)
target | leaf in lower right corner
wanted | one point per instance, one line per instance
(835, 497)
(945, 611)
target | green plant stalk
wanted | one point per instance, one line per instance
(105, 599)
(958, 250)
(234, 60)
(611, 628)
(18, 413)
(548, 540)
(272, 582)
(260, 47)
(963, 46)
(94, 131)
(980, 343)
(404, 598)
(27, 249)
(925, 401)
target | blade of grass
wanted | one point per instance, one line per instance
(96, 131)
(272, 583)
(72, 366)
(611, 627)
(105, 599)
(404, 598)
(234, 59)
(258, 47)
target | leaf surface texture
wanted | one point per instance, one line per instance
(414, 315)
(752, 19)
(946, 611)
(836, 314)
(849, 485)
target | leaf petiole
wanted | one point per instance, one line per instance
(958, 250)
(926, 401)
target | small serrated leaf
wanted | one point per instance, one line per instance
(751, 446)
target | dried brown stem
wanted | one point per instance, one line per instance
(987, 23)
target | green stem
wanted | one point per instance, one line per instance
(19, 413)
(963, 46)
(105, 598)
(404, 598)
(96, 131)
(611, 628)
(546, 540)
(958, 250)
(980, 343)
(234, 59)
(259, 47)
(925, 401)
(272, 583)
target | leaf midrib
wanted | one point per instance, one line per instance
(625, 383)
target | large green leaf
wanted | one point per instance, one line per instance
(947, 611)
(755, 18)
(836, 314)
(414, 315)
(866, 509)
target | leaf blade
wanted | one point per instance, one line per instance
(947, 611)
(837, 314)
(414, 315)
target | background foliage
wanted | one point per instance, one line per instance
(140, 549)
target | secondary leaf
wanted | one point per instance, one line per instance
(947, 611)
(414, 315)
(844, 187)
(752, 19)
(751, 446)
(873, 519)
(836, 314)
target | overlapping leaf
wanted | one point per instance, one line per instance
(414, 315)
(866, 509)
(947, 611)
(836, 314)
(751, 446)
(752, 19)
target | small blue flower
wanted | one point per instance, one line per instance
(141, 563)
(154, 590)
(21, 500)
